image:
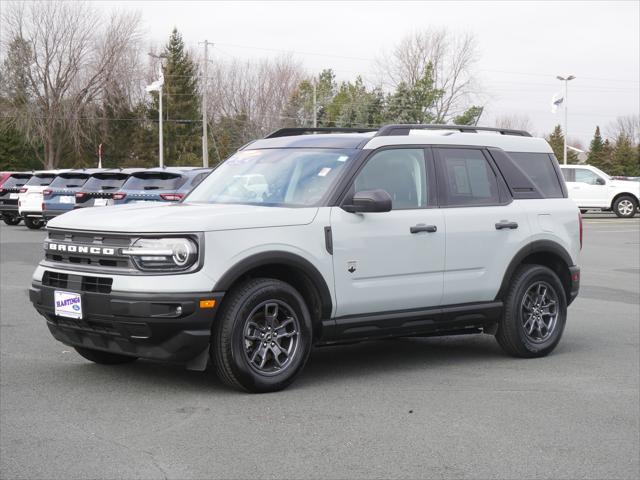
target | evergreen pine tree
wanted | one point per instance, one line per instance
(596, 151)
(625, 158)
(556, 140)
(181, 105)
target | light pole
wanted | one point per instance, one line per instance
(566, 104)
(157, 86)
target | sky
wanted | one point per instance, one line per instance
(522, 46)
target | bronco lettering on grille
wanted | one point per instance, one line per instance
(61, 247)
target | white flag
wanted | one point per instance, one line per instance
(556, 101)
(155, 86)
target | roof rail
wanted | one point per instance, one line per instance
(405, 129)
(289, 132)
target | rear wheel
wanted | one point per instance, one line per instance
(625, 206)
(11, 219)
(33, 223)
(535, 312)
(104, 358)
(262, 336)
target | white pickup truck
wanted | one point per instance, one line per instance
(591, 188)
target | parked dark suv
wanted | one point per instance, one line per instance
(9, 197)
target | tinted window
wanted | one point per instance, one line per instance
(540, 170)
(13, 182)
(105, 182)
(587, 176)
(567, 173)
(40, 180)
(154, 181)
(69, 181)
(401, 173)
(468, 178)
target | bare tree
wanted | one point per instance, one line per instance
(452, 57)
(514, 121)
(258, 90)
(628, 126)
(66, 58)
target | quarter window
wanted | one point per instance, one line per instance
(468, 178)
(540, 170)
(401, 173)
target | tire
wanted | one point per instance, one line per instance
(523, 334)
(104, 358)
(33, 223)
(625, 206)
(244, 346)
(11, 219)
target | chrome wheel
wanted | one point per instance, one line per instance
(539, 311)
(271, 334)
(625, 207)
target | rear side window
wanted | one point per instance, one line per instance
(40, 180)
(69, 181)
(158, 181)
(541, 171)
(468, 178)
(105, 182)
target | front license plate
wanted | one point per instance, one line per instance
(67, 199)
(67, 304)
(99, 202)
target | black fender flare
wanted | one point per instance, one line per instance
(538, 246)
(279, 258)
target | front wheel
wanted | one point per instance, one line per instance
(11, 219)
(33, 223)
(535, 312)
(262, 336)
(625, 206)
(104, 358)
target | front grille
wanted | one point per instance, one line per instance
(81, 242)
(77, 282)
(86, 326)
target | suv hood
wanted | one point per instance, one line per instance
(181, 217)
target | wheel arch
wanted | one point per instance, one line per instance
(623, 194)
(288, 267)
(541, 252)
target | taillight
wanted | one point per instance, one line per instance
(80, 194)
(23, 190)
(47, 192)
(171, 197)
(580, 219)
(119, 195)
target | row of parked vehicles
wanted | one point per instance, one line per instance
(39, 196)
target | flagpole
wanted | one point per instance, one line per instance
(566, 116)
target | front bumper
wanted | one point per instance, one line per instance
(159, 326)
(574, 283)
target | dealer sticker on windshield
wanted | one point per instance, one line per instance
(67, 304)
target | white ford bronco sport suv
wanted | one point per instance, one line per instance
(591, 188)
(410, 230)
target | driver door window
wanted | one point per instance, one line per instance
(587, 176)
(401, 173)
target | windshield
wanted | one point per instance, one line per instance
(274, 177)
(105, 181)
(154, 181)
(69, 181)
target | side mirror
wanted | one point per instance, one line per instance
(600, 181)
(370, 201)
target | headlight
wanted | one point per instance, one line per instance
(163, 253)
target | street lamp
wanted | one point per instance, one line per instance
(566, 126)
(157, 86)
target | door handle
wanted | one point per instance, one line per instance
(421, 227)
(506, 224)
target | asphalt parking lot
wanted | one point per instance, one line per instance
(448, 407)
